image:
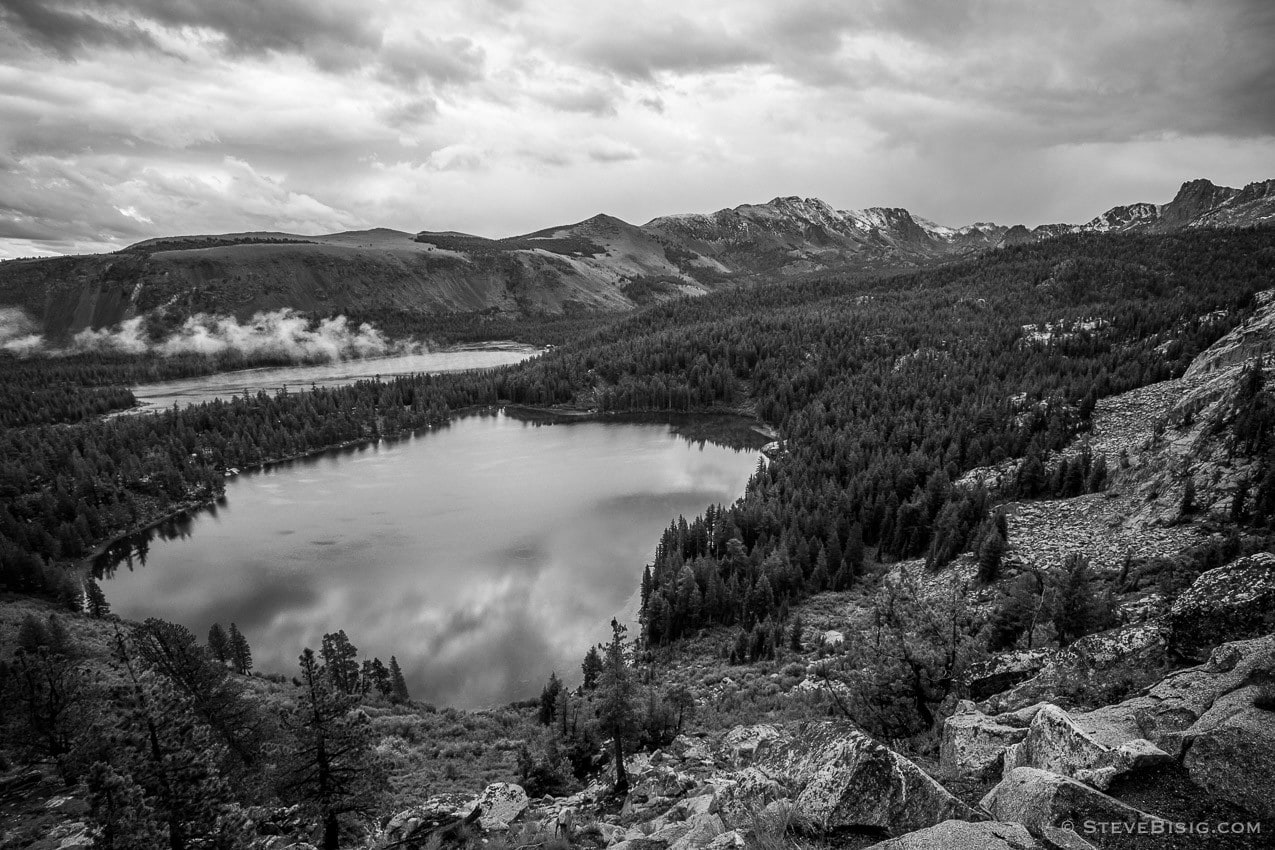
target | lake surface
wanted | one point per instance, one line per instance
(224, 385)
(484, 554)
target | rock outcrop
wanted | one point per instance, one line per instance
(1096, 754)
(1039, 799)
(1231, 750)
(841, 778)
(974, 744)
(1231, 602)
(1204, 717)
(500, 804)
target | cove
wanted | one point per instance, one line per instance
(484, 554)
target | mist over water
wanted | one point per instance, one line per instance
(484, 555)
(282, 333)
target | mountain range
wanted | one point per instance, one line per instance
(600, 264)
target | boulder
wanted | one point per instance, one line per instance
(743, 744)
(1232, 602)
(1059, 671)
(988, 835)
(700, 831)
(973, 743)
(1038, 799)
(410, 827)
(731, 840)
(690, 750)
(500, 804)
(1231, 751)
(780, 817)
(1061, 744)
(842, 778)
(743, 792)
(609, 833)
(1005, 670)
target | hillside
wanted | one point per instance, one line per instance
(602, 264)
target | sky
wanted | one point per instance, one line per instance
(122, 120)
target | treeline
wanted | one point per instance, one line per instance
(76, 387)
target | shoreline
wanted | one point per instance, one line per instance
(530, 413)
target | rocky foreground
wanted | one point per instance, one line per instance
(1058, 780)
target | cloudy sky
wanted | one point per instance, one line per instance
(125, 119)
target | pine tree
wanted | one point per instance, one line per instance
(155, 738)
(240, 653)
(124, 818)
(592, 668)
(376, 677)
(334, 771)
(617, 715)
(218, 643)
(549, 699)
(215, 697)
(1078, 608)
(990, 556)
(341, 660)
(398, 684)
(95, 600)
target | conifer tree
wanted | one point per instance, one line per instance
(617, 714)
(376, 676)
(549, 699)
(592, 668)
(990, 556)
(341, 659)
(218, 643)
(334, 771)
(239, 651)
(398, 684)
(155, 739)
(95, 600)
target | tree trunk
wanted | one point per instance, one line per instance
(621, 775)
(331, 831)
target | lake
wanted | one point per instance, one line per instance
(484, 554)
(224, 385)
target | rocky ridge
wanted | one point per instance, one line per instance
(600, 264)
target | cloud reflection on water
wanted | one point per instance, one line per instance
(483, 555)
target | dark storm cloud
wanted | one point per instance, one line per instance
(325, 30)
(66, 30)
